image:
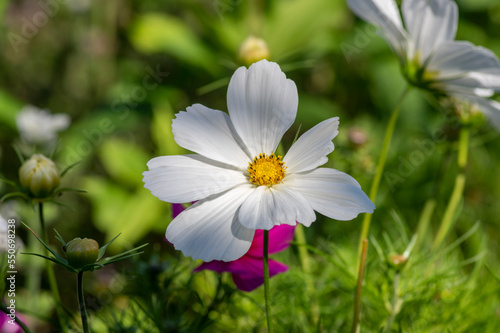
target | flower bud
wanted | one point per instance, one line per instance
(39, 175)
(252, 50)
(81, 252)
(357, 137)
(397, 261)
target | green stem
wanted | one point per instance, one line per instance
(359, 288)
(449, 217)
(394, 304)
(306, 267)
(423, 222)
(50, 273)
(81, 302)
(16, 319)
(266, 280)
(380, 166)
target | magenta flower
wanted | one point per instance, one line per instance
(7, 324)
(176, 209)
(247, 271)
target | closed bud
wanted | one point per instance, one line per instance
(252, 50)
(81, 252)
(357, 137)
(39, 175)
(397, 261)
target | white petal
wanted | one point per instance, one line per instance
(331, 193)
(490, 108)
(262, 105)
(429, 23)
(310, 150)
(466, 86)
(210, 133)
(270, 206)
(188, 178)
(60, 122)
(209, 229)
(454, 60)
(383, 14)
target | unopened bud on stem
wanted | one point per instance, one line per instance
(252, 50)
(39, 175)
(81, 252)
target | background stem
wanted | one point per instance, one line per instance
(359, 287)
(458, 189)
(306, 267)
(266, 280)
(394, 303)
(380, 167)
(50, 273)
(81, 302)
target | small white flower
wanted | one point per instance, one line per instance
(4, 237)
(39, 127)
(430, 56)
(237, 181)
(3, 234)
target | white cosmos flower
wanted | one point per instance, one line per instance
(38, 126)
(237, 181)
(430, 56)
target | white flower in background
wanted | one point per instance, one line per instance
(39, 127)
(3, 235)
(4, 238)
(252, 50)
(239, 184)
(430, 56)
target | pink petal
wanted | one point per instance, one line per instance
(176, 210)
(242, 265)
(248, 271)
(280, 238)
(218, 266)
(255, 277)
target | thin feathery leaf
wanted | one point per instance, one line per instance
(120, 258)
(126, 252)
(103, 248)
(297, 134)
(13, 195)
(69, 189)
(18, 153)
(69, 168)
(59, 238)
(461, 239)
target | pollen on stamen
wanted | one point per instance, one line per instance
(266, 170)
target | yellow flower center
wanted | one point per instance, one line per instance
(266, 170)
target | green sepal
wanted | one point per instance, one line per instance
(13, 195)
(18, 153)
(123, 255)
(67, 266)
(104, 247)
(68, 168)
(56, 255)
(59, 238)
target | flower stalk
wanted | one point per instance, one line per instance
(380, 166)
(449, 217)
(81, 302)
(306, 267)
(50, 272)
(395, 303)
(266, 280)
(359, 288)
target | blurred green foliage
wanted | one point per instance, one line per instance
(122, 69)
